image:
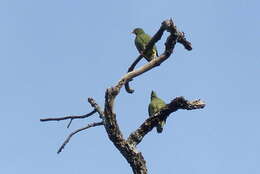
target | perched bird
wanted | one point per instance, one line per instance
(141, 40)
(156, 105)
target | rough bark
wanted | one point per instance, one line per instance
(128, 147)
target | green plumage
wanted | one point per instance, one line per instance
(156, 105)
(141, 40)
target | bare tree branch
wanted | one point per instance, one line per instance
(69, 123)
(94, 104)
(154, 39)
(69, 117)
(182, 40)
(131, 154)
(169, 46)
(178, 103)
(166, 25)
(131, 68)
(72, 117)
(128, 147)
(77, 131)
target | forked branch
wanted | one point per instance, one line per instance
(170, 27)
(127, 147)
(176, 104)
(69, 117)
(72, 117)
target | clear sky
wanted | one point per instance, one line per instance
(57, 53)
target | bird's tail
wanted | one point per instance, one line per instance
(160, 126)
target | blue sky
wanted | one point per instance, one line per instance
(56, 54)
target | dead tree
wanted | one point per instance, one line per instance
(128, 147)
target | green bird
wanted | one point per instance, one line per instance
(141, 40)
(156, 105)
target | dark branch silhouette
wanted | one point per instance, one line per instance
(77, 131)
(69, 117)
(72, 117)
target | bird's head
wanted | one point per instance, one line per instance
(137, 31)
(153, 94)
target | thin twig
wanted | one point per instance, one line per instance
(69, 117)
(70, 123)
(76, 131)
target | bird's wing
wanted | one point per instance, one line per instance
(146, 39)
(159, 104)
(139, 43)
